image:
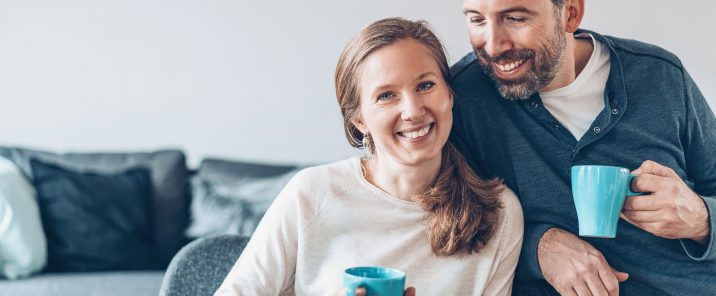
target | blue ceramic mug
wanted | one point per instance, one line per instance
(599, 193)
(376, 281)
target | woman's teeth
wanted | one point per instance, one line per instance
(509, 67)
(418, 133)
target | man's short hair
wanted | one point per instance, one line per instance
(558, 4)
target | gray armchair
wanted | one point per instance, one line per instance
(200, 267)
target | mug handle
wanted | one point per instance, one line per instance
(629, 192)
(351, 288)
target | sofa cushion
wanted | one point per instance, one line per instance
(135, 283)
(23, 247)
(231, 197)
(95, 222)
(169, 176)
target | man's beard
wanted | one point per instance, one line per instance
(543, 69)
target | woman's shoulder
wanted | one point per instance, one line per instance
(313, 190)
(331, 171)
(326, 177)
(511, 209)
(509, 199)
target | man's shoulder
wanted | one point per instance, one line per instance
(637, 51)
(467, 61)
(467, 77)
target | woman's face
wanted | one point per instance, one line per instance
(405, 103)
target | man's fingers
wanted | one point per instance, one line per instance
(647, 183)
(654, 168)
(621, 276)
(582, 289)
(642, 203)
(609, 279)
(635, 223)
(360, 292)
(642, 216)
(651, 227)
(410, 291)
(596, 285)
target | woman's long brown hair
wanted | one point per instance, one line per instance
(462, 210)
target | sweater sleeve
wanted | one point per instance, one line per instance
(268, 263)
(699, 144)
(510, 238)
(529, 269)
(696, 251)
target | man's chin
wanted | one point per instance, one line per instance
(520, 88)
(515, 91)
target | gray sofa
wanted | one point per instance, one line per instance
(201, 266)
(171, 183)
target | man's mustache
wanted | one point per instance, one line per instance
(511, 55)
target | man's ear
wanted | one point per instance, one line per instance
(573, 12)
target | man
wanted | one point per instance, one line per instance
(539, 95)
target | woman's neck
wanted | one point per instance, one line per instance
(400, 180)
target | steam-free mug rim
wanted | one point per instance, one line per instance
(391, 283)
(617, 168)
(602, 166)
(392, 273)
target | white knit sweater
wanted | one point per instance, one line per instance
(329, 218)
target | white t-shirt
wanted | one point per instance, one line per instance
(577, 105)
(329, 218)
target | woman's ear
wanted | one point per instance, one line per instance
(358, 123)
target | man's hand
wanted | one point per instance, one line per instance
(574, 267)
(672, 210)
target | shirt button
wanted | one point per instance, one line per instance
(615, 111)
(535, 105)
(597, 129)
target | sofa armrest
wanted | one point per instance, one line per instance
(200, 267)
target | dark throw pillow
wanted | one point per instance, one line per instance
(95, 221)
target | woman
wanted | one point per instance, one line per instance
(412, 204)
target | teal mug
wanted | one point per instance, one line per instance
(599, 193)
(376, 281)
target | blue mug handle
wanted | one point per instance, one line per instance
(629, 192)
(351, 289)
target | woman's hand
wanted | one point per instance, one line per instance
(410, 291)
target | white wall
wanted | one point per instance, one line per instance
(237, 79)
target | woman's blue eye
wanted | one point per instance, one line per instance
(385, 96)
(423, 86)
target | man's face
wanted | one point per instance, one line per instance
(520, 44)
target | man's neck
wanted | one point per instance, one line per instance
(576, 57)
(582, 54)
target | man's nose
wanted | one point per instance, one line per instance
(497, 41)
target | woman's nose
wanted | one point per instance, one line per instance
(413, 108)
